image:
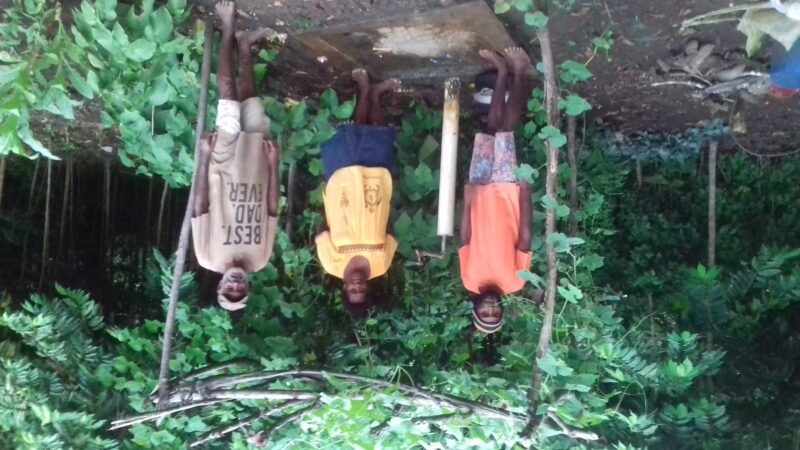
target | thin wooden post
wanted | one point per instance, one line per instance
(2, 176)
(572, 157)
(554, 119)
(46, 234)
(291, 181)
(183, 240)
(712, 204)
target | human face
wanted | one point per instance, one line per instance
(234, 285)
(490, 310)
(356, 289)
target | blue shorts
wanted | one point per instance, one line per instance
(358, 145)
(786, 71)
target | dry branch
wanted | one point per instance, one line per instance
(231, 428)
(553, 119)
(183, 240)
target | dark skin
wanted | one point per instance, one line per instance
(504, 117)
(228, 91)
(368, 112)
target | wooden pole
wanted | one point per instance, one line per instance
(291, 181)
(161, 214)
(2, 176)
(554, 119)
(572, 157)
(712, 204)
(183, 240)
(46, 234)
(28, 213)
(64, 205)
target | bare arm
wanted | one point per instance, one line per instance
(201, 200)
(274, 188)
(466, 224)
(524, 239)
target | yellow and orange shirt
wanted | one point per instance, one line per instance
(357, 202)
(491, 256)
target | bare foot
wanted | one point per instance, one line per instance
(249, 39)
(519, 61)
(496, 60)
(386, 86)
(361, 77)
(225, 10)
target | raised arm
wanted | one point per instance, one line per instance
(466, 224)
(274, 188)
(201, 200)
(524, 240)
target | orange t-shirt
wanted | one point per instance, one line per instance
(491, 256)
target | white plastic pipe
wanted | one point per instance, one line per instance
(447, 168)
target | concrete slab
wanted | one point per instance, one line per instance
(418, 49)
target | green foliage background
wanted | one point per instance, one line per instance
(650, 349)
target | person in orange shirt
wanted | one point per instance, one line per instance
(496, 221)
(357, 162)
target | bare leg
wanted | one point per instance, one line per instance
(361, 78)
(225, 78)
(246, 41)
(498, 104)
(376, 91)
(522, 68)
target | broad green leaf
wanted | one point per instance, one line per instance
(532, 278)
(429, 146)
(329, 99)
(554, 134)
(523, 5)
(549, 202)
(159, 93)
(79, 83)
(570, 293)
(141, 50)
(573, 72)
(10, 73)
(501, 7)
(103, 37)
(119, 36)
(526, 172)
(25, 135)
(536, 19)
(160, 26)
(345, 110)
(574, 105)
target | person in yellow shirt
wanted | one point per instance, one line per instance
(357, 163)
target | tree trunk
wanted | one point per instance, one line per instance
(2, 177)
(64, 206)
(186, 225)
(28, 212)
(46, 231)
(712, 229)
(290, 193)
(161, 214)
(573, 174)
(712, 204)
(553, 118)
(638, 170)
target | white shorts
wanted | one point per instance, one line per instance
(248, 116)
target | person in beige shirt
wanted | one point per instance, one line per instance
(235, 208)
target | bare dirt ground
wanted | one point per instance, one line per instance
(643, 31)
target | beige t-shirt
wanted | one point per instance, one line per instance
(237, 225)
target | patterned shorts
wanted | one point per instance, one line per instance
(493, 159)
